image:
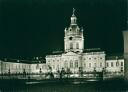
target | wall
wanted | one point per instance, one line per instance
(93, 61)
(125, 35)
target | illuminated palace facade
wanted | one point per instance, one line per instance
(75, 58)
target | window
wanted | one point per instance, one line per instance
(121, 63)
(107, 64)
(77, 45)
(5, 66)
(111, 64)
(66, 64)
(71, 64)
(89, 64)
(95, 64)
(70, 38)
(71, 45)
(58, 66)
(84, 58)
(121, 69)
(100, 64)
(76, 64)
(53, 66)
(19, 66)
(117, 63)
(101, 58)
(37, 66)
(74, 21)
(84, 64)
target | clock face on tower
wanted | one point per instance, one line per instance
(70, 38)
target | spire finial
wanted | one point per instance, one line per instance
(73, 11)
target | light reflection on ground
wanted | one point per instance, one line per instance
(92, 86)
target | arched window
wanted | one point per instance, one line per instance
(74, 20)
(117, 63)
(65, 64)
(71, 45)
(71, 64)
(89, 64)
(76, 64)
(77, 45)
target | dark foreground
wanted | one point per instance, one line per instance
(116, 85)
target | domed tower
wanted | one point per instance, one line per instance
(74, 40)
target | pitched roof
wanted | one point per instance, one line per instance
(22, 61)
(114, 57)
(92, 50)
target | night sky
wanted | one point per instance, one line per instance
(36, 27)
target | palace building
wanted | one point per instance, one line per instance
(75, 58)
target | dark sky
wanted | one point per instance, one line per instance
(36, 27)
